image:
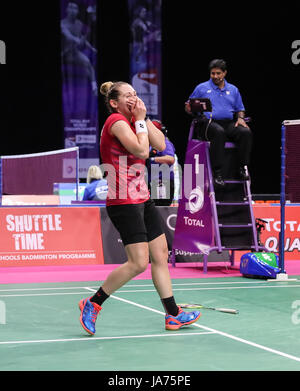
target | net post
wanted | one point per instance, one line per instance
(282, 201)
(77, 174)
(0, 180)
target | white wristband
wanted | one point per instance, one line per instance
(141, 127)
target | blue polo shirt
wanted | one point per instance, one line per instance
(96, 191)
(225, 101)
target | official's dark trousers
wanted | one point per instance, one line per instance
(220, 131)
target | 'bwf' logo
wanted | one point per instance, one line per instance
(2, 53)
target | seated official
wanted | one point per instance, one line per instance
(161, 184)
(226, 122)
(96, 189)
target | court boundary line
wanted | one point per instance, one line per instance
(92, 338)
(137, 290)
(227, 335)
(137, 285)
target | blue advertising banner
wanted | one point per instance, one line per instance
(145, 52)
(79, 80)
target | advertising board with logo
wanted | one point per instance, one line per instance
(50, 236)
(270, 216)
(68, 236)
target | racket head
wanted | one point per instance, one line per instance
(198, 306)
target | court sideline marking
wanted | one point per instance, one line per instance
(256, 283)
(291, 357)
(90, 338)
(134, 285)
(134, 291)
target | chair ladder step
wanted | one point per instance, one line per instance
(233, 181)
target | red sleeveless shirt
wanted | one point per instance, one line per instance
(125, 172)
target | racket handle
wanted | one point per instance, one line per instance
(228, 310)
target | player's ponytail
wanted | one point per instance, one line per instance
(105, 87)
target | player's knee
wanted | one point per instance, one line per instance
(164, 252)
(139, 265)
(161, 256)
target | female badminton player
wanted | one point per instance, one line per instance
(124, 146)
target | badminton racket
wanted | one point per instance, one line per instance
(198, 306)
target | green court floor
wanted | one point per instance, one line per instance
(40, 329)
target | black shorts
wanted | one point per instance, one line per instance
(136, 222)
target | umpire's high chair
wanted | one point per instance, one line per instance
(234, 221)
(232, 213)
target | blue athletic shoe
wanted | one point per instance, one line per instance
(182, 319)
(89, 312)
